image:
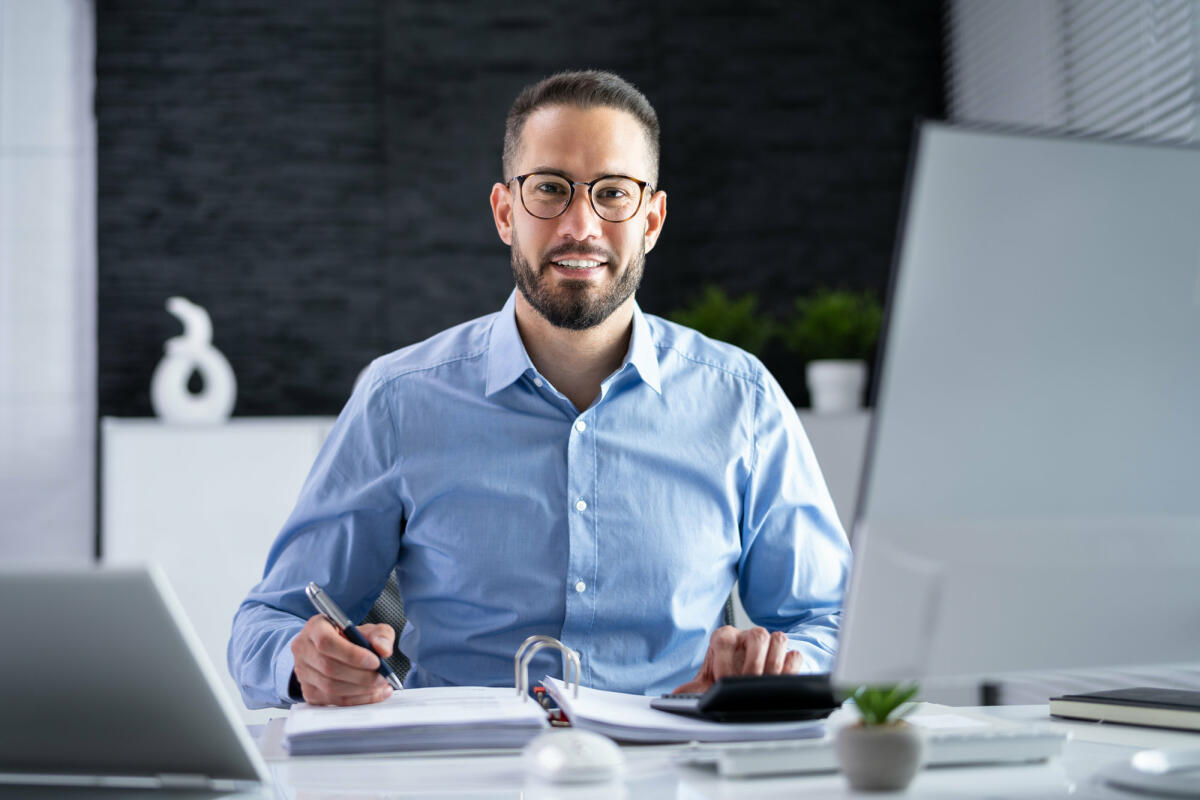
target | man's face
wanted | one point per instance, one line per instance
(576, 269)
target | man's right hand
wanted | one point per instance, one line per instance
(333, 671)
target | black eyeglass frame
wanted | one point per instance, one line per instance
(642, 186)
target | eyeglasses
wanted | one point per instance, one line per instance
(614, 198)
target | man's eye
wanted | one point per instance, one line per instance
(612, 193)
(549, 188)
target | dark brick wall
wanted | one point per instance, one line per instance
(316, 173)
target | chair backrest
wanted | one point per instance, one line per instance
(389, 609)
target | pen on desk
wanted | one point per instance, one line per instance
(328, 609)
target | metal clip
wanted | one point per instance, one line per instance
(529, 648)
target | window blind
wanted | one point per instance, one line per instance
(1117, 68)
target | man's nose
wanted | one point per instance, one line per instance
(580, 220)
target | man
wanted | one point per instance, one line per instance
(568, 466)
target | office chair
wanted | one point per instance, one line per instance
(389, 609)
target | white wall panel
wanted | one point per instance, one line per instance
(38, 192)
(47, 281)
(42, 43)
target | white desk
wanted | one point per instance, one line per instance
(651, 773)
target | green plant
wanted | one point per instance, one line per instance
(834, 324)
(735, 321)
(884, 704)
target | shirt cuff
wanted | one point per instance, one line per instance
(815, 659)
(285, 666)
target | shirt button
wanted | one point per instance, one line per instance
(580, 425)
(580, 586)
(581, 505)
(537, 382)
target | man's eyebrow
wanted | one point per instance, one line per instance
(563, 173)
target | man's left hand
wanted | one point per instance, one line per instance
(749, 652)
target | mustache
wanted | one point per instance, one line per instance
(598, 253)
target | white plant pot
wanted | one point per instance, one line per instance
(836, 386)
(879, 758)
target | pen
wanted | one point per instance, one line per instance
(331, 612)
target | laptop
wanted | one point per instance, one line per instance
(103, 683)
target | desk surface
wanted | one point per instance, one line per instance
(651, 773)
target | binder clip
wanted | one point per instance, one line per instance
(529, 648)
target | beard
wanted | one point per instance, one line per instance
(576, 304)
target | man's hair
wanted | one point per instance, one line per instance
(584, 89)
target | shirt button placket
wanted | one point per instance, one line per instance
(581, 561)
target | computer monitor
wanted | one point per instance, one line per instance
(1031, 494)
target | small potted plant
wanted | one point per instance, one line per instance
(737, 322)
(880, 752)
(835, 331)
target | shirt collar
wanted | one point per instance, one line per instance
(508, 359)
(643, 355)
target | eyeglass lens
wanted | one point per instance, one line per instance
(615, 199)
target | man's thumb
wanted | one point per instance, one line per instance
(382, 638)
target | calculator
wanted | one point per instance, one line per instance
(756, 698)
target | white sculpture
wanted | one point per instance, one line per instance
(192, 352)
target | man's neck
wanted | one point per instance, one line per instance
(575, 362)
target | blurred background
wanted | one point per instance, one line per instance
(315, 174)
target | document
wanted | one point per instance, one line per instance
(443, 718)
(477, 717)
(629, 717)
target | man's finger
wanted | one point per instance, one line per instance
(697, 686)
(332, 686)
(362, 699)
(726, 652)
(327, 683)
(793, 662)
(777, 652)
(320, 651)
(333, 645)
(355, 698)
(755, 644)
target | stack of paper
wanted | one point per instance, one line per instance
(630, 717)
(417, 719)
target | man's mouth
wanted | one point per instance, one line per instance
(578, 263)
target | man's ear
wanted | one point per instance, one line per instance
(502, 211)
(656, 215)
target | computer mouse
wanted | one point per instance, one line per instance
(568, 755)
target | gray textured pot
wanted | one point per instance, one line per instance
(880, 758)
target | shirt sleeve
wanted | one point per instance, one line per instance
(344, 533)
(795, 555)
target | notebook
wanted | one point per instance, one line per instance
(104, 683)
(1161, 708)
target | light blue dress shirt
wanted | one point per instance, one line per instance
(507, 512)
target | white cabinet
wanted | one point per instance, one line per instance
(840, 442)
(205, 503)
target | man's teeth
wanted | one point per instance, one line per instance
(574, 263)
